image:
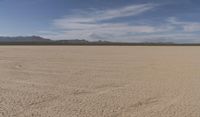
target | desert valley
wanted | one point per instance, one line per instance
(99, 81)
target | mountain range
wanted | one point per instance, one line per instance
(37, 40)
(24, 39)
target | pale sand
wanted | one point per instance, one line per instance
(92, 81)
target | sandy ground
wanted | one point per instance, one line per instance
(73, 81)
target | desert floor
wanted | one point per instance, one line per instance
(99, 81)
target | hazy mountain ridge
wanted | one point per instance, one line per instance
(37, 40)
(24, 39)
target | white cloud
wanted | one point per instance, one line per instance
(91, 25)
(99, 15)
(124, 12)
(89, 19)
(186, 26)
(88, 24)
(108, 31)
(192, 27)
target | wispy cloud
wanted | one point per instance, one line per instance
(91, 24)
(98, 25)
(123, 12)
(100, 15)
(186, 26)
(91, 19)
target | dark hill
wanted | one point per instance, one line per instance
(24, 39)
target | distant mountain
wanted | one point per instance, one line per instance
(37, 40)
(75, 41)
(24, 39)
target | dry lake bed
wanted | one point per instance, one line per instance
(99, 81)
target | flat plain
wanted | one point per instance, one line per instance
(99, 81)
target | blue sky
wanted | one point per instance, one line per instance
(113, 20)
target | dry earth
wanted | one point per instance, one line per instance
(99, 81)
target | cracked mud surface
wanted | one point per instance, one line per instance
(99, 81)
